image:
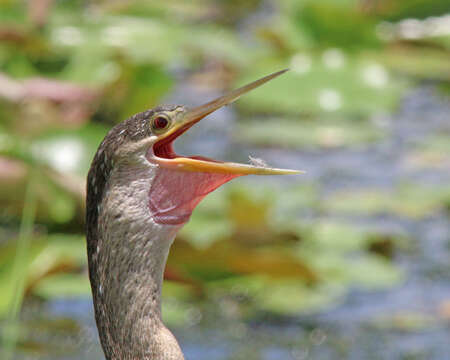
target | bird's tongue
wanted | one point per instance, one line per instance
(174, 194)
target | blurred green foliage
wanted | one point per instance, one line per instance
(72, 69)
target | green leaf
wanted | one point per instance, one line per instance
(405, 321)
(45, 256)
(421, 62)
(337, 23)
(298, 134)
(290, 297)
(63, 285)
(329, 82)
(408, 200)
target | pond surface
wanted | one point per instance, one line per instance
(408, 321)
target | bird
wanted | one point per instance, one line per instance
(140, 193)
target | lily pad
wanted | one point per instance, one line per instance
(406, 322)
(411, 201)
(423, 62)
(336, 237)
(355, 29)
(289, 297)
(298, 133)
(329, 82)
(433, 152)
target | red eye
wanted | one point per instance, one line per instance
(160, 122)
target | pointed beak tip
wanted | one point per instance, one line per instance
(288, 172)
(260, 170)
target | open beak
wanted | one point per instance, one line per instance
(201, 164)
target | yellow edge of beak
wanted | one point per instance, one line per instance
(188, 164)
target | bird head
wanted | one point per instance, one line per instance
(176, 183)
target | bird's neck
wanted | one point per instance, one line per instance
(126, 270)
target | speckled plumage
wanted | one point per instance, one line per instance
(127, 250)
(133, 129)
(138, 197)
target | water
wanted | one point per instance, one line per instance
(410, 321)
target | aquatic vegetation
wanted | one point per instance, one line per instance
(364, 110)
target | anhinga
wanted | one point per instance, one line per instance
(139, 194)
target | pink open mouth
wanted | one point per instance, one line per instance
(164, 147)
(181, 182)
